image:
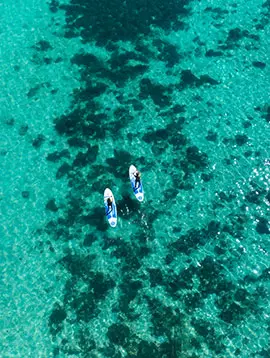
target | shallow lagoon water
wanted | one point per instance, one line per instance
(179, 89)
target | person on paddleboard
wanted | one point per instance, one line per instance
(137, 175)
(109, 203)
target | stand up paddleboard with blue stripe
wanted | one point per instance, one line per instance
(138, 191)
(111, 214)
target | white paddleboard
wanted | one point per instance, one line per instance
(111, 214)
(138, 189)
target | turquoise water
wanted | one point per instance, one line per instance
(181, 90)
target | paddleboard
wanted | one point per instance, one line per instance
(111, 214)
(139, 192)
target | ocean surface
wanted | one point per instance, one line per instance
(181, 90)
